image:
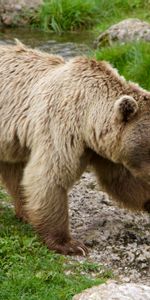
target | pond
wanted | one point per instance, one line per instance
(67, 45)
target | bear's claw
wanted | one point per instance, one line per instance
(72, 247)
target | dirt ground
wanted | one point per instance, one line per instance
(115, 237)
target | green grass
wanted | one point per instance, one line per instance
(65, 15)
(68, 15)
(132, 61)
(28, 271)
(111, 12)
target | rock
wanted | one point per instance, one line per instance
(6, 19)
(114, 291)
(14, 12)
(125, 31)
(18, 7)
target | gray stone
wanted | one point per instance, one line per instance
(125, 31)
(12, 12)
(114, 291)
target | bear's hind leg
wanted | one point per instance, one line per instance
(11, 176)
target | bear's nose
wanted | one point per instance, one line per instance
(147, 206)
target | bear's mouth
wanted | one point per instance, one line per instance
(147, 206)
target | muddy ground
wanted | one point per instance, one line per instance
(115, 237)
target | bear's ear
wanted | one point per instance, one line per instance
(125, 108)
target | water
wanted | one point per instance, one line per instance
(67, 45)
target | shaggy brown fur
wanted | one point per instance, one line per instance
(57, 117)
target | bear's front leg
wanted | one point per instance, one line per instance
(47, 209)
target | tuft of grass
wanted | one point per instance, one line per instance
(111, 12)
(132, 61)
(28, 270)
(65, 15)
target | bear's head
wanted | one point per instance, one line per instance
(134, 148)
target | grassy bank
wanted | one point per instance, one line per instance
(66, 15)
(132, 61)
(111, 12)
(29, 271)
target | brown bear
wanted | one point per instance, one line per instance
(56, 118)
